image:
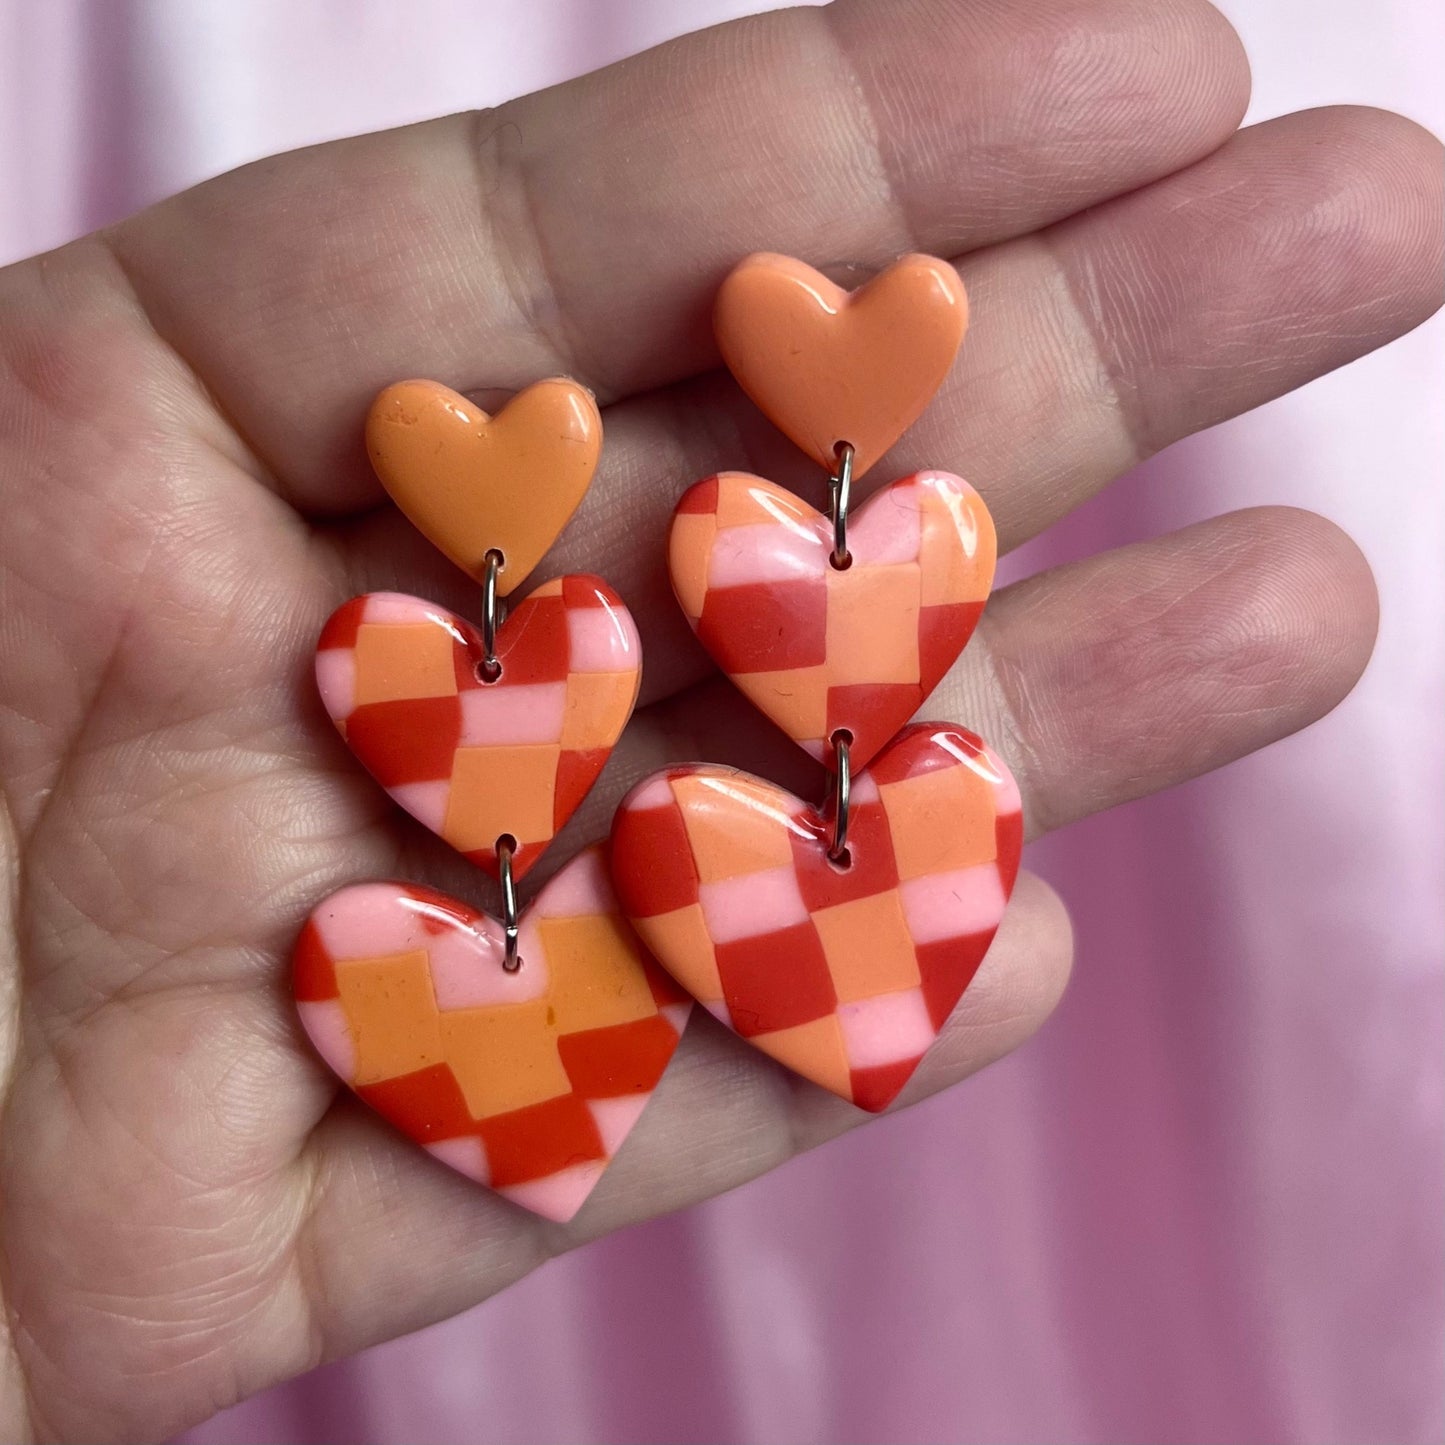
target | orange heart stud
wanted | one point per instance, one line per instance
(473, 483)
(827, 365)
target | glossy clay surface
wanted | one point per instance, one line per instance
(473, 760)
(827, 365)
(816, 648)
(470, 482)
(526, 1081)
(845, 976)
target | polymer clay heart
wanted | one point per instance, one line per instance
(526, 1081)
(473, 483)
(844, 974)
(827, 365)
(476, 760)
(816, 648)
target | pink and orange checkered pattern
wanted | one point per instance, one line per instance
(525, 1081)
(821, 649)
(845, 975)
(475, 760)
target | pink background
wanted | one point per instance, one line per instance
(1206, 1203)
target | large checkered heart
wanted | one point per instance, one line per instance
(828, 365)
(476, 760)
(821, 649)
(844, 974)
(527, 1081)
(473, 483)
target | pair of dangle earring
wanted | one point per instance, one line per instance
(837, 940)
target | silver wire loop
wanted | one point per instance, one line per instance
(491, 668)
(842, 790)
(840, 485)
(511, 929)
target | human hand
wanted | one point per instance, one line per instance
(188, 1210)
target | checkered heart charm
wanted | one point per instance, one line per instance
(472, 759)
(820, 648)
(528, 1081)
(844, 972)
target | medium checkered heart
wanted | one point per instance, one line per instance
(822, 649)
(527, 1081)
(478, 760)
(843, 972)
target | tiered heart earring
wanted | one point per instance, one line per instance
(522, 1052)
(836, 940)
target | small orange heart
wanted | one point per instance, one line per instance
(473, 483)
(827, 365)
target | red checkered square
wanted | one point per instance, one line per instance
(534, 647)
(766, 626)
(872, 869)
(939, 629)
(657, 834)
(313, 975)
(876, 1088)
(699, 498)
(539, 1140)
(581, 591)
(407, 742)
(342, 626)
(576, 773)
(623, 1059)
(947, 968)
(776, 980)
(427, 1104)
(1009, 839)
(866, 709)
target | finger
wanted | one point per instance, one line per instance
(723, 1113)
(1128, 673)
(1302, 244)
(1099, 681)
(584, 229)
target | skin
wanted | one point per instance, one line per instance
(183, 1193)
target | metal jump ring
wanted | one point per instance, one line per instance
(491, 666)
(842, 790)
(840, 484)
(511, 930)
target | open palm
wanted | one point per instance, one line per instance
(188, 1211)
